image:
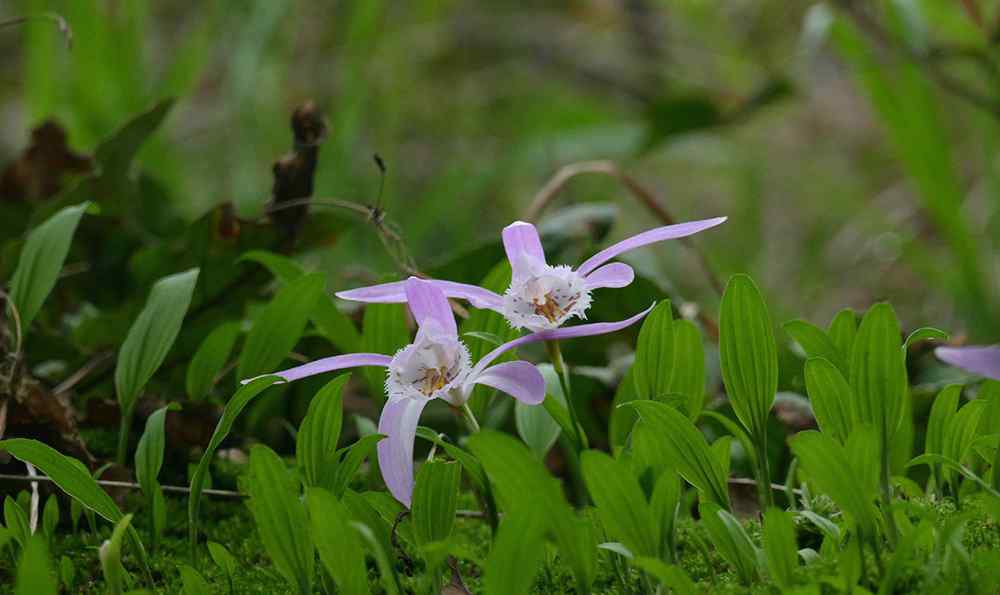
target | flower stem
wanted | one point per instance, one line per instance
(562, 371)
(470, 418)
(886, 486)
(123, 431)
(764, 495)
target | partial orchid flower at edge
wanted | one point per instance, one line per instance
(542, 296)
(982, 361)
(437, 366)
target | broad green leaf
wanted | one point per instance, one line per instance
(194, 583)
(316, 440)
(517, 552)
(843, 329)
(932, 459)
(330, 321)
(41, 262)
(944, 407)
(211, 357)
(67, 573)
(926, 333)
(780, 547)
(380, 552)
(831, 397)
(383, 331)
(737, 432)
(233, 409)
(731, 541)
(748, 355)
(960, 431)
(620, 502)
(281, 518)
(664, 504)
(654, 353)
(830, 469)
(35, 575)
(148, 461)
(687, 377)
(878, 372)
(520, 479)
(337, 542)
(816, 343)
(16, 521)
(50, 517)
(721, 449)
(684, 447)
(435, 498)
(559, 413)
(110, 554)
(151, 335)
(534, 424)
(278, 326)
(349, 464)
(622, 418)
(224, 560)
(670, 576)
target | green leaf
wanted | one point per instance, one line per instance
(620, 502)
(748, 355)
(337, 542)
(831, 470)
(50, 517)
(780, 547)
(932, 459)
(737, 431)
(224, 560)
(233, 409)
(435, 498)
(148, 461)
(831, 397)
(731, 541)
(816, 343)
(42, 260)
(944, 407)
(664, 504)
(17, 521)
(281, 518)
(842, 331)
(683, 446)
(194, 583)
(670, 575)
(517, 552)
(926, 333)
(472, 467)
(151, 336)
(379, 551)
(67, 573)
(383, 331)
(211, 357)
(654, 353)
(687, 377)
(110, 554)
(316, 440)
(279, 325)
(35, 575)
(283, 268)
(351, 461)
(878, 371)
(534, 424)
(960, 432)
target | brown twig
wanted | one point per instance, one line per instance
(94, 363)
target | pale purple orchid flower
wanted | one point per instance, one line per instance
(437, 366)
(542, 296)
(982, 361)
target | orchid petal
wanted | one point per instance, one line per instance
(395, 453)
(982, 361)
(522, 245)
(329, 364)
(616, 274)
(429, 306)
(519, 379)
(580, 330)
(669, 232)
(395, 293)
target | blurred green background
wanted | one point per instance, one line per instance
(851, 158)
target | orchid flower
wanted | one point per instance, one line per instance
(542, 296)
(437, 366)
(983, 361)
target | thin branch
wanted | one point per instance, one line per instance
(18, 336)
(74, 378)
(128, 485)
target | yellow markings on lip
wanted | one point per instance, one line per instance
(551, 310)
(433, 381)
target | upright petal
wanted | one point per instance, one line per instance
(580, 330)
(429, 306)
(395, 453)
(669, 232)
(518, 379)
(983, 361)
(395, 293)
(615, 274)
(329, 364)
(522, 245)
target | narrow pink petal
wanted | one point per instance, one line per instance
(395, 453)
(429, 306)
(329, 364)
(395, 293)
(518, 379)
(669, 232)
(522, 245)
(615, 274)
(983, 361)
(580, 330)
